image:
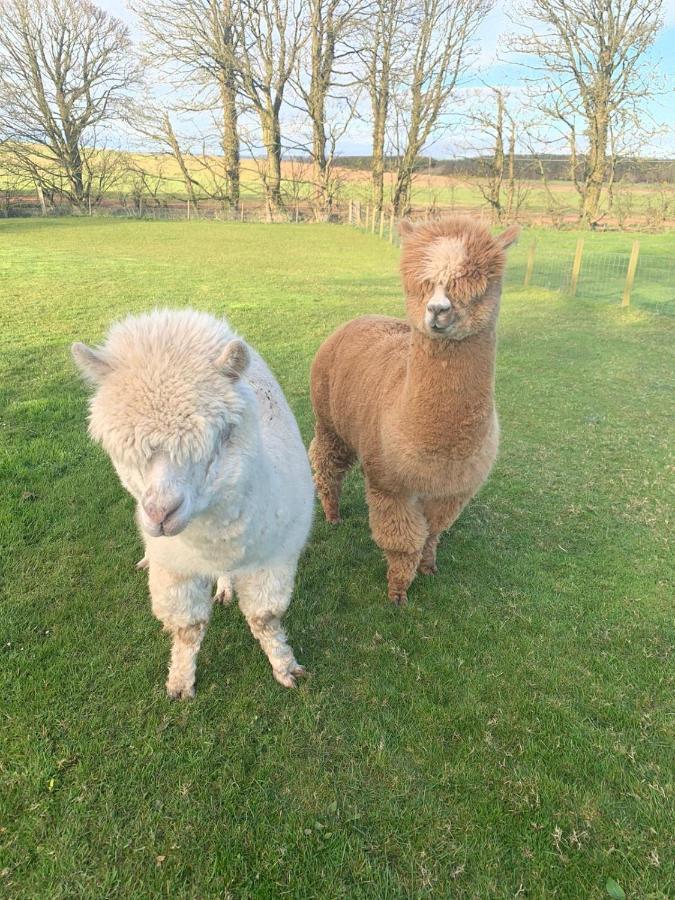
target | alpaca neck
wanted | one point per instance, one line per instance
(448, 397)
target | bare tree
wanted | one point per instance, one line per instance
(589, 64)
(333, 27)
(65, 73)
(499, 183)
(195, 40)
(439, 39)
(383, 48)
(156, 127)
(271, 34)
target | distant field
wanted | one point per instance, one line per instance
(507, 734)
(650, 205)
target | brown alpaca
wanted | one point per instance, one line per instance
(413, 400)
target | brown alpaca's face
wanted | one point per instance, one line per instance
(440, 313)
(452, 274)
(454, 299)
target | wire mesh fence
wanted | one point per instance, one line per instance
(631, 277)
(587, 270)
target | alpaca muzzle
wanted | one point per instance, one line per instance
(439, 315)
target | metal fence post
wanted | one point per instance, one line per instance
(630, 274)
(529, 269)
(576, 266)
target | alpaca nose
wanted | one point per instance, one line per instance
(440, 312)
(159, 512)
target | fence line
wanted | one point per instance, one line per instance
(613, 276)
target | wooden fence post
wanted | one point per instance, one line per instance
(367, 215)
(241, 211)
(630, 274)
(576, 267)
(529, 269)
(382, 223)
(391, 227)
(188, 209)
(350, 211)
(358, 213)
(373, 220)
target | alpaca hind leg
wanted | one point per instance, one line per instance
(264, 597)
(331, 459)
(440, 515)
(183, 606)
(400, 530)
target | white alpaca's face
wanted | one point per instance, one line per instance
(175, 441)
(170, 494)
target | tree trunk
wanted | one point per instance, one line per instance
(75, 174)
(402, 190)
(322, 57)
(511, 190)
(178, 156)
(272, 142)
(498, 164)
(379, 124)
(41, 198)
(597, 165)
(321, 173)
(230, 139)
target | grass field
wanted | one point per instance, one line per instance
(506, 734)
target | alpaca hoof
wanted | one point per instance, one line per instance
(400, 598)
(143, 563)
(289, 677)
(427, 568)
(179, 692)
(333, 520)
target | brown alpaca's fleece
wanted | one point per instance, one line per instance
(415, 407)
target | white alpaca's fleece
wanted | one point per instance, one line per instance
(202, 437)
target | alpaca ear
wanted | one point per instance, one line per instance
(405, 228)
(91, 363)
(510, 236)
(234, 359)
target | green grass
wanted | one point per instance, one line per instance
(506, 732)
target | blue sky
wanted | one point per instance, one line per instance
(490, 70)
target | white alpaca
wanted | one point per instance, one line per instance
(201, 436)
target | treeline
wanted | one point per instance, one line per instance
(212, 81)
(556, 168)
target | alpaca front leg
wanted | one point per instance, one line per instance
(180, 685)
(224, 591)
(440, 515)
(264, 597)
(331, 459)
(400, 530)
(183, 606)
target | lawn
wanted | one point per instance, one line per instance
(505, 734)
